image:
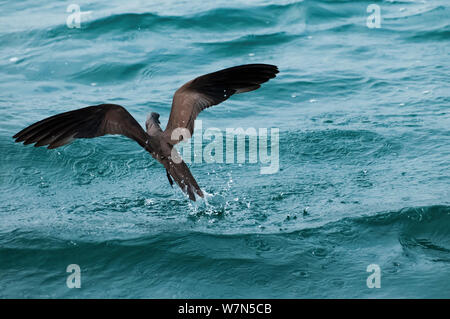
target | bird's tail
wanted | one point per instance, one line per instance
(182, 175)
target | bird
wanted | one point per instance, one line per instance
(113, 119)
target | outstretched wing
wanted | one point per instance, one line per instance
(88, 122)
(211, 89)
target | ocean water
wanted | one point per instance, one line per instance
(364, 118)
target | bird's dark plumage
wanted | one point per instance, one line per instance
(188, 101)
(213, 88)
(88, 122)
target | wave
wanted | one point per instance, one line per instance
(423, 228)
(329, 260)
(439, 34)
(262, 19)
(330, 145)
(110, 72)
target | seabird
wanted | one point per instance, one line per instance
(188, 101)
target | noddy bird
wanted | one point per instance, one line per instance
(188, 101)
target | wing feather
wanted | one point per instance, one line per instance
(88, 122)
(211, 89)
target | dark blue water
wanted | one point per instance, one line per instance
(364, 117)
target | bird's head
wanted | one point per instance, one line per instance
(152, 119)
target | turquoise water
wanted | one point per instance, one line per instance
(364, 151)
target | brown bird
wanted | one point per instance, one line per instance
(188, 101)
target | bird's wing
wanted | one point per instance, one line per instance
(88, 122)
(211, 89)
